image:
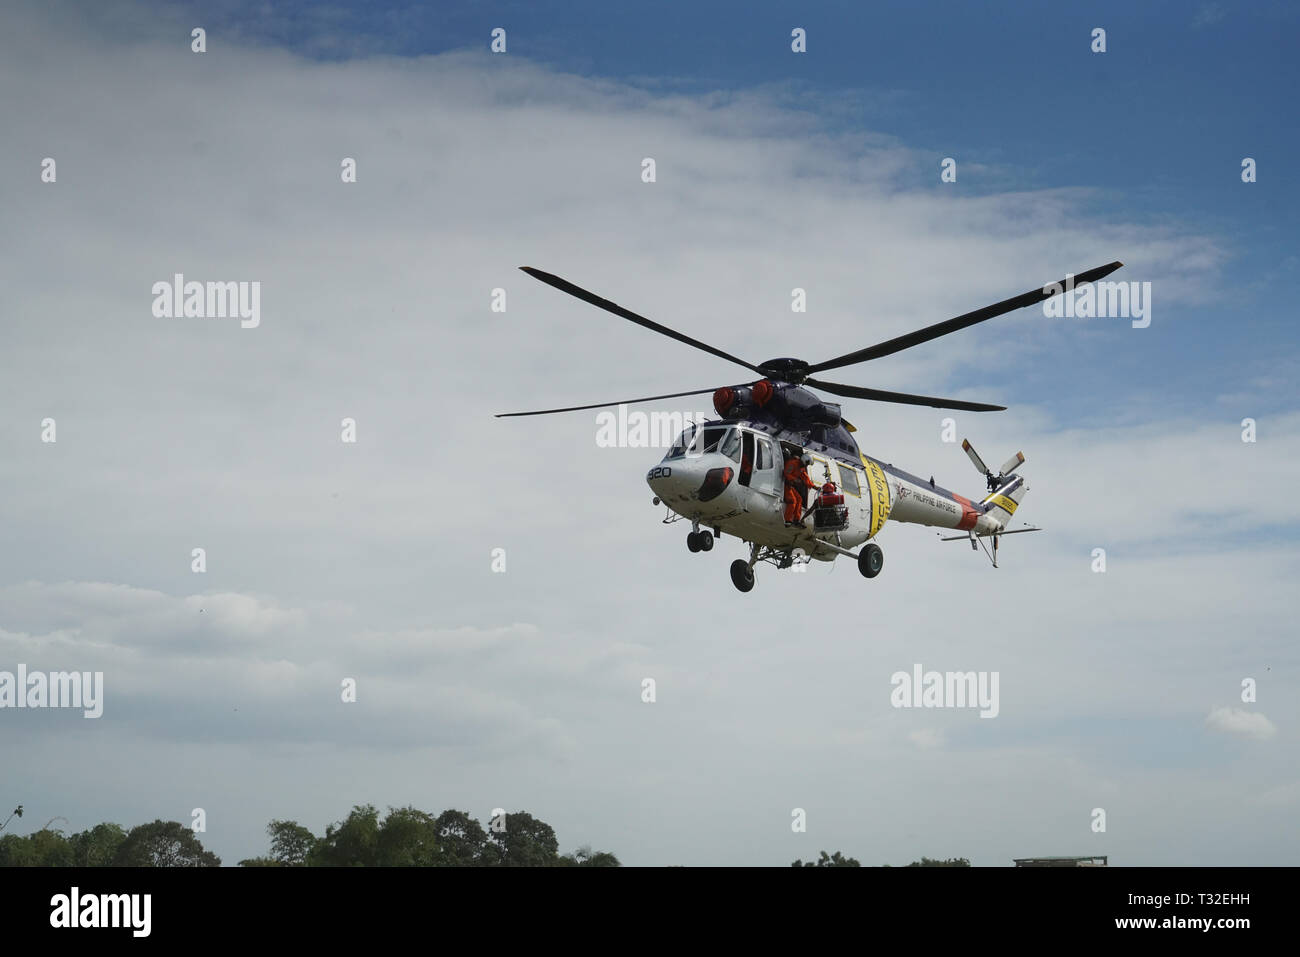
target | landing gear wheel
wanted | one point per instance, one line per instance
(870, 560)
(742, 576)
(693, 541)
(705, 540)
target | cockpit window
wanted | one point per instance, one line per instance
(683, 441)
(710, 441)
(730, 446)
(695, 441)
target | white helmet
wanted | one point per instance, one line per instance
(806, 459)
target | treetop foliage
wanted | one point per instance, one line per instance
(839, 860)
(409, 837)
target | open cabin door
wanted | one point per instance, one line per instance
(760, 467)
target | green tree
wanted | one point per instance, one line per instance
(524, 842)
(13, 851)
(586, 857)
(43, 848)
(163, 844)
(97, 846)
(291, 843)
(829, 860)
(352, 842)
(461, 840)
(934, 862)
(407, 838)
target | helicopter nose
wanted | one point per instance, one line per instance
(673, 483)
(676, 482)
(691, 480)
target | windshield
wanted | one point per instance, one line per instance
(683, 440)
(696, 441)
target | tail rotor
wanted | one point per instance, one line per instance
(994, 481)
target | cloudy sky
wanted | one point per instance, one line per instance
(372, 560)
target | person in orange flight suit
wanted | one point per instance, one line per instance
(797, 483)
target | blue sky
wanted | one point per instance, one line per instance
(1155, 129)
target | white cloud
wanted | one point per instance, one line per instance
(1241, 723)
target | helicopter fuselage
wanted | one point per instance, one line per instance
(726, 475)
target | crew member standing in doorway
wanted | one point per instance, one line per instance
(797, 483)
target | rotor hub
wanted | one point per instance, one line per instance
(785, 370)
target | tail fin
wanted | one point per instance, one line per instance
(1003, 501)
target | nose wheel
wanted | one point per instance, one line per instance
(700, 541)
(742, 576)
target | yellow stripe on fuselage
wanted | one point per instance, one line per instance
(879, 487)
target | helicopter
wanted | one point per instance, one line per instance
(729, 475)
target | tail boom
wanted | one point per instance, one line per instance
(1001, 504)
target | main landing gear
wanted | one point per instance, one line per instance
(742, 572)
(870, 560)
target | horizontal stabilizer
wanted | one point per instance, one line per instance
(966, 538)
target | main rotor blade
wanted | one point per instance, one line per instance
(903, 398)
(565, 286)
(961, 322)
(598, 405)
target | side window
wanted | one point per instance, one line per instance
(818, 471)
(765, 459)
(849, 479)
(746, 456)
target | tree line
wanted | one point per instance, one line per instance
(404, 837)
(160, 844)
(408, 837)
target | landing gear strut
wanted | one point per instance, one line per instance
(870, 560)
